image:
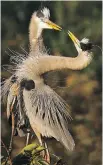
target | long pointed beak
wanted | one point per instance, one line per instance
(74, 39)
(53, 25)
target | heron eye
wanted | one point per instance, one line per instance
(39, 14)
(86, 47)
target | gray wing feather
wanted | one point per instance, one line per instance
(5, 89)
(49, 113)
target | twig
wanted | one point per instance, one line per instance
(13, 125)
(12, 134)
(9, 157)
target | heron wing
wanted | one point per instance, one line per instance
(5, 87)
(49, 113)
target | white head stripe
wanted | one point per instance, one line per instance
(85, 40)
(46, 12)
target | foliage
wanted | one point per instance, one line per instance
(30, 155)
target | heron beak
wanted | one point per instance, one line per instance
(74, 39)
(53, 25)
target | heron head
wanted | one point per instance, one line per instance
(42, 17)
(83, 45)
(86, 45)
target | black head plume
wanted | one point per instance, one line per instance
(43, 13)
(86, 45)
(39, 14)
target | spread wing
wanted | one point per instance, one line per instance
(49, 114)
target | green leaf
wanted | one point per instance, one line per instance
(29, 147)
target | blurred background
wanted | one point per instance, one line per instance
(82, 90)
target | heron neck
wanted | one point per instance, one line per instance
(50, 63)
(34, 33)
(36, 66)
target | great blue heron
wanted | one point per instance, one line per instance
(39, 21)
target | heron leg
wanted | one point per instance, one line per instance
(27, 138)
(38, 136)
(45, 153)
